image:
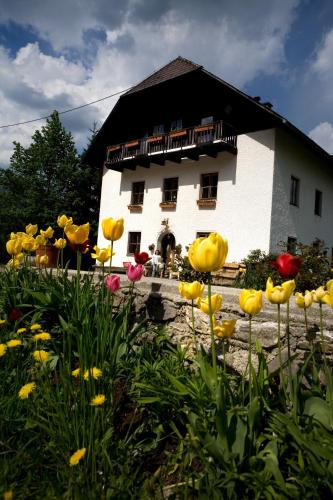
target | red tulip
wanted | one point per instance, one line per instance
(287, 265)
(112, 282)
(15, 314)
(141, 258)
(135, 273)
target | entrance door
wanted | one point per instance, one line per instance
(168, 244)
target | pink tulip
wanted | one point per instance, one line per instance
(112, 282)
(134, 273)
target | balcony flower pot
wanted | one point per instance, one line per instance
(51, 252)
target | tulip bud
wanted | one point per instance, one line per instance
(77, 234)
(279, 294)
(64, 221)
(304, 301)
(112, 229)
(225, 329)
(135, 273)
(60, 243)
(216, 303)
(250, 301)
(14, 247)
(191, 291)
(208, 254)
(31, 229)
(112, 282)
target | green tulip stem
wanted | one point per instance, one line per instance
(211, 324)
(78, 278)
(193, 328)
(111, 248)
(321, 325)
(288, 348)
(279, 341)
(250, 357)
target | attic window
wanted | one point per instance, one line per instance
(207, 120)
(158, 129)
(176, 125)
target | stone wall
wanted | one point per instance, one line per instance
(158, 300)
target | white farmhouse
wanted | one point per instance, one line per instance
(184, 153)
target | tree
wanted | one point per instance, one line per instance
(46, 179)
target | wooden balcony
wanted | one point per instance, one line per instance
(189, 143)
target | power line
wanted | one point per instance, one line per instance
(66, 110)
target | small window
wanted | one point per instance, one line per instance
(134, 241)
(207, 120)
(138, 190)
(318, 202)
(176, 124)
(291, 244)
(203, 234)
(294, 191)
(170, 189)
(208, 188)
(158, 129)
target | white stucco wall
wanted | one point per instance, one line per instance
(294, 159)
(243, 207)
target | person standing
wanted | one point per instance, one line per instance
(156, 260)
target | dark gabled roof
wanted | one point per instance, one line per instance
(177, 67)
(178, 82)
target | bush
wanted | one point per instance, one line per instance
(315, 270)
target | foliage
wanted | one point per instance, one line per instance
(46, 179)
(258, 268)
(315, 268)
(171, 424)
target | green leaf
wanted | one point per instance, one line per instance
(319, 409)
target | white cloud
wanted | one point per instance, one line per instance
(322, 134)
(230, 42)
(323, 61)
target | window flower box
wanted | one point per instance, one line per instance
(169, 205)
(206, 203)
(134, 208)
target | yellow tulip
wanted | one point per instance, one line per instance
(216, 304)
(42, 260)
(31, 229)
(77, 234)
(48, 233)
(225, 329)
(304, 301)
(14, 247)
(40, 240)
(16, 261)
(329, 286)
(208, 254)
(113, 229)
(319, 295)
(60, 243)
(102, 254)
(64, 221)
(279, 294)
(29, 244)
(191, 291)
(250, 301)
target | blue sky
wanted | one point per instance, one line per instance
(57, 55)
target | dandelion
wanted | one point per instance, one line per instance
(41, 356)
(13, 343)
(77, 456)
(3, 349)
(35, 327)
(2, 322)
(95, 372)
(21, 330)
(42, 336)
(76, 373)
(26, 390)
(98, 400)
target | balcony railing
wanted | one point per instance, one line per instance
(201, 136)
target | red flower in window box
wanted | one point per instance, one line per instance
(287, 265)
(141, 258)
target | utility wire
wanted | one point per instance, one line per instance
(66, 110)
